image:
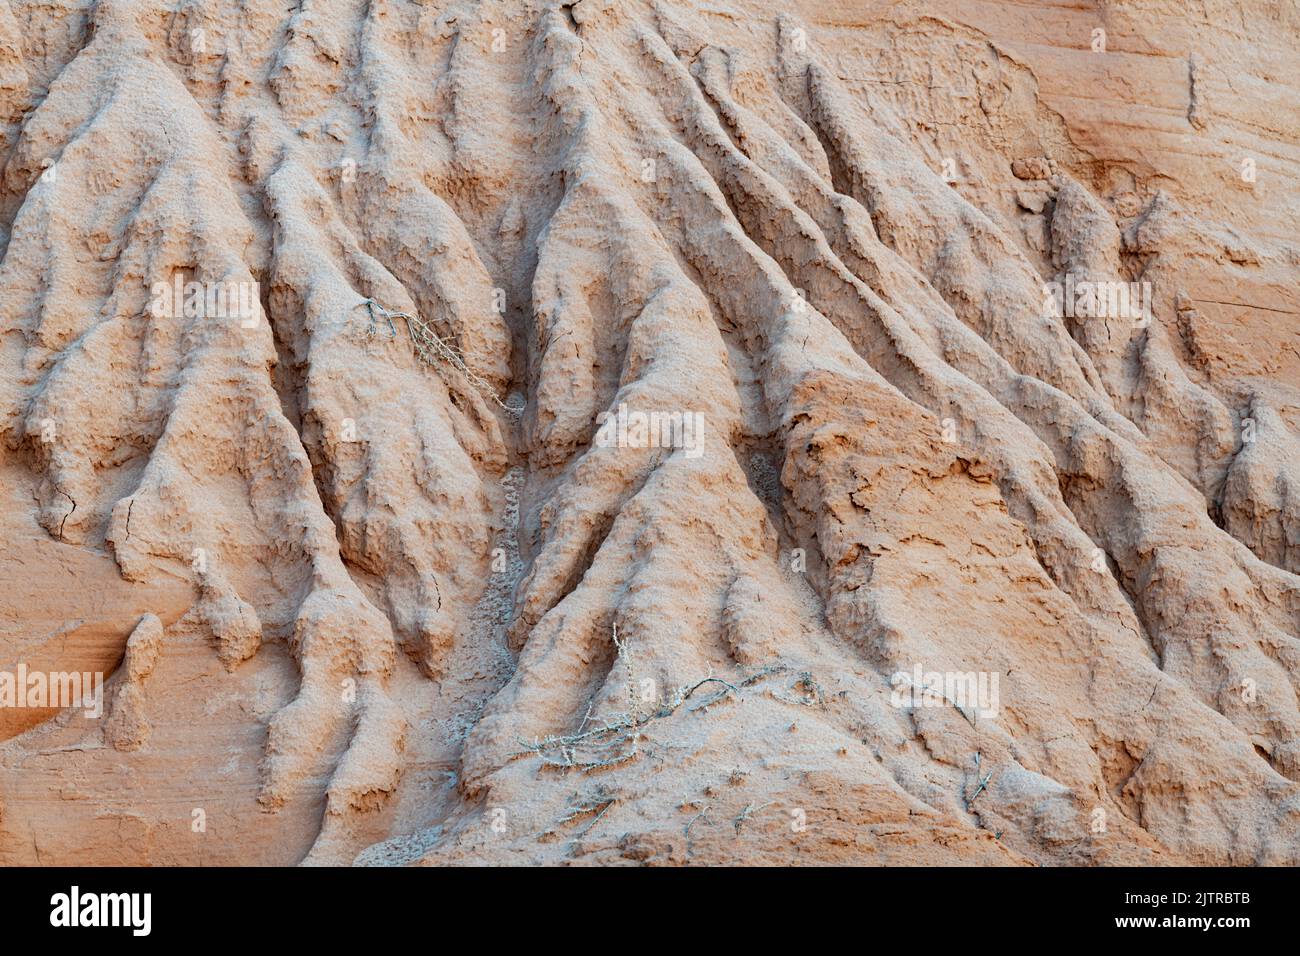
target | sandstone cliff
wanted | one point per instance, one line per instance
(373, 583)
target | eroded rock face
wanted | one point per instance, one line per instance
(601, 432)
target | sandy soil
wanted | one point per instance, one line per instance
(928, 564)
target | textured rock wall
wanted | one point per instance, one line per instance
(381, 570)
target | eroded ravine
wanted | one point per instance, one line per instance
(430, 598)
